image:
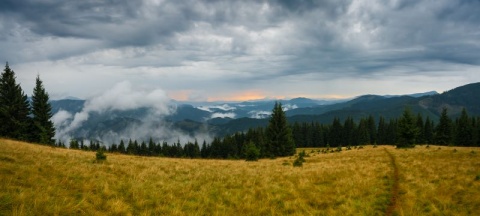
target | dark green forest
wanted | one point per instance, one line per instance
(406, 131)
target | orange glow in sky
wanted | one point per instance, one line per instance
(239, 96)
(185, 95)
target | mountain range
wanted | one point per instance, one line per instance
(221, 118)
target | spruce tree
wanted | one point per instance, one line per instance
(421, 129)
(279, 133)
(464, 130)
(407, 130)
(443, 135)
(428, 131)
(363, 136)
(14, 107)
(372, 129)
(335, 133)
(382, 131)
(43, 130)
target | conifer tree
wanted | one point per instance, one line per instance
(279, 133)
(121, 147)
(43, 130)
(349, 132)
(335, 133)
(443, 135)
(372, 129)
(407, 130)
(14, 107)
(464, 130)
(363, 136)
(421, 129)
(382, 131)
(428, 132)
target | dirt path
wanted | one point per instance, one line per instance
(394, 190)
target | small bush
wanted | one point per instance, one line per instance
(100, 156)
(339, 149)
(299, 161)
(252, 153)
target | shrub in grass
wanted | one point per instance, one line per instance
(100, 155)
(299, 161)
(252, 153)
(339, 148)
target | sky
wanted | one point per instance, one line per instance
(220, 50)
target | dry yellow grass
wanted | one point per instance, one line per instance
(39, 180)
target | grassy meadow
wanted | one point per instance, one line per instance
(41, 180)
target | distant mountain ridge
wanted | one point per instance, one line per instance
(229, 117)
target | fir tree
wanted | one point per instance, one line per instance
(335, 133)
(363, 136)
(443, 135)
(43, 129)
(279, 133)
(121, 147)
(421, 129)
(382, 131)
(14, 107)
(428, 132)
(464, 130)
(407, 130)
(372, 129)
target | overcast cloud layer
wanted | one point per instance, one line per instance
(238, 50)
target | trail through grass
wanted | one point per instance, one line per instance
(395, 185)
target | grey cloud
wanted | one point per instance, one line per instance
(250, 41)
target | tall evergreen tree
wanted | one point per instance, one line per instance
(279, 133)
(443, 135)
(421, 129)
(407, 130)
(382, 131)
(372, 129)
(43, 130)
(363, 136)
(428, 132)
(335, 133)
(14, 107)
(464, 130)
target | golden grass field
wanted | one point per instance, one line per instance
(41, 180)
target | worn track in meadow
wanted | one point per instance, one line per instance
(395, 187)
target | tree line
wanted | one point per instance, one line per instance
(276, 140)
(405, 131)
(410, 129)
(21, 118)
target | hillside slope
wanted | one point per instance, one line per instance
(41, 180)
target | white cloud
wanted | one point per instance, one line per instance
(223, 115)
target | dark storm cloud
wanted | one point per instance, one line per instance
(250, 40)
